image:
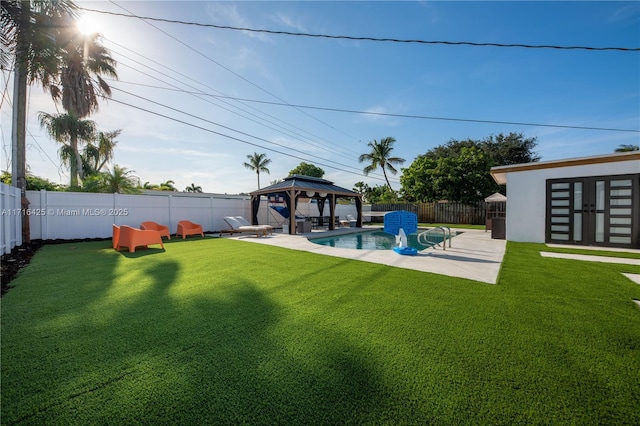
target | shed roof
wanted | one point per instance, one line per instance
(305, 183)
(499, 173)
(495, 198)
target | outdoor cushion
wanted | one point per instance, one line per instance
(236, 226)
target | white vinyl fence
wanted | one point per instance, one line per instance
(79, 215)
(11, 224)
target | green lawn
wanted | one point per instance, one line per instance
(216, 331)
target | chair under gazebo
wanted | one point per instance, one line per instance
(296, 187)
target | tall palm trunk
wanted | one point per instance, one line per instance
(75, 167)
(384, 172)
(19, 124)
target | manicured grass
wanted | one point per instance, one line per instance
(215, 331)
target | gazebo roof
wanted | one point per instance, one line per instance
(496, 198)
(305, 183)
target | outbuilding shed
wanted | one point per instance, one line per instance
(588, 201)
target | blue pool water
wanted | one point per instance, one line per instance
(371, 240)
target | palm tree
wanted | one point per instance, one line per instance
(119, 180)
(627, 148)
(148, 185)
(380, 157)
(258, 163)
(167, 186)
(193, 188)
(69, 130)
(85, 61)
(97, 156)
(27, 32)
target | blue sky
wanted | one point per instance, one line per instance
(161, 64)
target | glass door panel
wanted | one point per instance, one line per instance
(594, 211)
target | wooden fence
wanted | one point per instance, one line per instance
(441, 212)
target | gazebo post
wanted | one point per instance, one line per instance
(359, 210)
(292, 213)
(332, 209)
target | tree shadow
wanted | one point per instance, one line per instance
(221, 353)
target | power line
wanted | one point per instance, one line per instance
(198, 94)
(229, 70)
(227, 127)
(231, 137)
(421, 117)
(374, 39)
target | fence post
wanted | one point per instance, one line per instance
(44, 219)
(169, 201)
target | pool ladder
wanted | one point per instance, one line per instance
(423, 237)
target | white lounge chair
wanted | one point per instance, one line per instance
(236, 226)
(245, 222)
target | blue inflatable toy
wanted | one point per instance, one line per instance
(399, 223)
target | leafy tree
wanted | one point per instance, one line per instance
(380, 156)
(258, 163)
(381, 194)
(307, 170)
(514, 148)
(118, 180)
(34, 183)
(69, 130)
(193, 188)
(627, 148)
(459, 171)
(363, 189)
(503, 150)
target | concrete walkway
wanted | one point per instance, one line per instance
(473, 255)
(589, 258)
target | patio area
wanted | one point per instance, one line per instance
(473, 254)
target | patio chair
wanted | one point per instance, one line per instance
(352, 220)
(131, 238)
(186, 228)
(116, 237)
(163, 230)
(245, 222)
(236, 226)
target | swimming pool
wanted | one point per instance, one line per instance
(372, 240)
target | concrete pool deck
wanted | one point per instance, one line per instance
(473, 255)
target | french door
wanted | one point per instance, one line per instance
(597, 211)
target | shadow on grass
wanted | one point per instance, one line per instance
(156, 348)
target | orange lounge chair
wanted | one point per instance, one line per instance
(163, 230)
(116, 236)
(188, 228)
(132, 238)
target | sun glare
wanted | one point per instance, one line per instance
(87, 25)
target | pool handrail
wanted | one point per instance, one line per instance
(445, 230)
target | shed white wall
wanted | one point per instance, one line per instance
(526, 195)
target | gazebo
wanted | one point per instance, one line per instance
(294, 187)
